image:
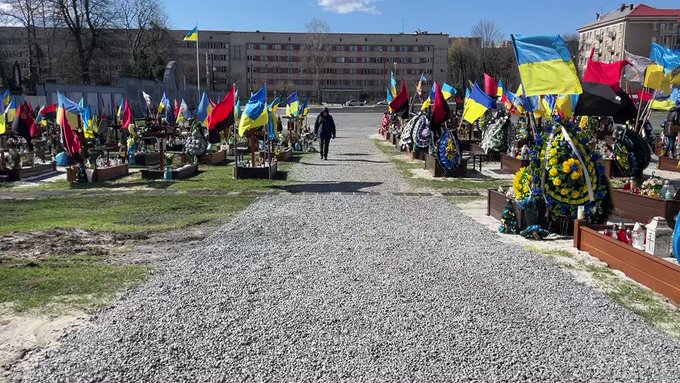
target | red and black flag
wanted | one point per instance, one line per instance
(602, 93)
(49, 112)
(440, 108)
(221, 117)
(71, 141)
(24, 125)
(400, 103)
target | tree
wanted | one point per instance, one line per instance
(25, 13)
(146, 36)
(489, 36)
(463, 63)
(87, 21)
(316, 51)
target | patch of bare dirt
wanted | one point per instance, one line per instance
(25, 335)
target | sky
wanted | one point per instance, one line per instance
(453, 17)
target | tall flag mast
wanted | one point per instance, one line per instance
(193, 36)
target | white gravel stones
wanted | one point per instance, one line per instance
(344, 288)
(354, 163)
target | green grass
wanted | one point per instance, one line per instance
(210, 177)
(551, 253)
(221, 178)
(119, 212)
(81, 282)
(465, 199)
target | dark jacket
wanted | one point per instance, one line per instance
(324, 127)
(672, 119)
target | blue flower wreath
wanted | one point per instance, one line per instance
(449, 150)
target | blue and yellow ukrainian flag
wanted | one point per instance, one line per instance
(6, 98)
(8, 112)
(477, 104)
(393, 86)
(163, 104)
(88, 122)
(204, 109)
(192, 35)
(119, 112)
(549, 103)
(430, 98)
(274, 105)
(545, 65)
(516, 101)
(501, 88)
(566, 104)
(448, 91)
(255, 114)
(304, 109)
(293, 104)
(73, 111)
(183, 114)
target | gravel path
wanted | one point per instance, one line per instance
(361, 288)
(354, 163)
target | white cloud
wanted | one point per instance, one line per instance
(349, 6)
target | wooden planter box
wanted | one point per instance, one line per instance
(265, 172)
(495, 204)
(493, 155)
(643, 209)
(213, 158)
(285, 155)
(99, 174)
(611, 170)
(511, 165)
(207, 159)
(147, 159)
(432, 165)
(418, 154)
(111, 172)
(656, 273)
(184, 172)
(670, 164)
(23, 173)
(467, 144)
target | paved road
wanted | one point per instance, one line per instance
(353, 288)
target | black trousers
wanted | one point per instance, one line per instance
(323, 146)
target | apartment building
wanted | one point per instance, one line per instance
(632, 28)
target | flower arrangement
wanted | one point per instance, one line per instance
(557, 175)
(631, 151)
(603, 150)
(493, 136)
(196, 144)
(652, 187)
(169, 157)
(449, 150)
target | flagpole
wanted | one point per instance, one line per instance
(198, 68)
(524, 91)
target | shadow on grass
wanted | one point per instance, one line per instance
(330, 187)
(367, 161)
(310, 164)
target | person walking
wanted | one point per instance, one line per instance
(324, 128)
(672, 119)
